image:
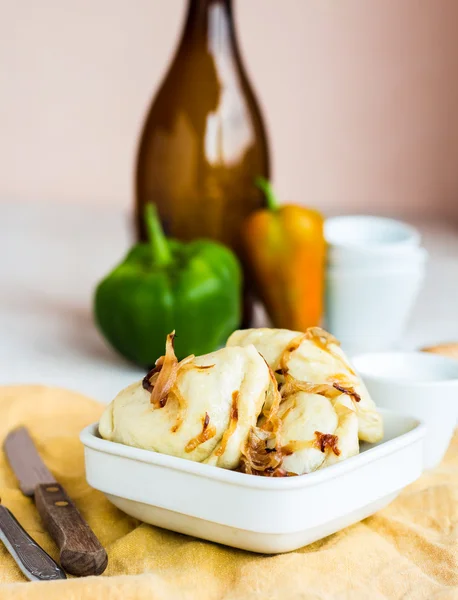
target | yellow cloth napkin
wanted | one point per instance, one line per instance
(409, 550)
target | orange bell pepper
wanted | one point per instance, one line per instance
(285, 252)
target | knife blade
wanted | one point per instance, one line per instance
(25, 461)
(34, 562)
(81, 553)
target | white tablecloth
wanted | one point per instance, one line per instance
(52, 256)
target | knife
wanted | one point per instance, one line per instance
(33, 561)
(81, 553)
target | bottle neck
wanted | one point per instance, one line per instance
(211, 23)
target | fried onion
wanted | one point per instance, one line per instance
(327, 440)
(167, 368)
(261, 453)
(208, 431)
(233, 420)
(292, 386)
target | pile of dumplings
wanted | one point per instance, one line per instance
(273, 402)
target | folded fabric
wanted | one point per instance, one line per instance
(409, 550)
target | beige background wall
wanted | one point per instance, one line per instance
(361, 97)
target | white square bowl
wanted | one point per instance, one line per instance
(260, 514)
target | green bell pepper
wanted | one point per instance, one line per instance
(164, 285)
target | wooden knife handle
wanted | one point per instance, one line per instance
(33, 561)
(81, 553)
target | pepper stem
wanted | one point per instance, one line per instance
(160, 251)
(267, 189)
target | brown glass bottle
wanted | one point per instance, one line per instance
(203, 141)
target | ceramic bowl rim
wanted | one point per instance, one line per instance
(407, 383)
(412, 235)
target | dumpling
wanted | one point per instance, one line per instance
(314, 357)
(317, 430)
(202, 408)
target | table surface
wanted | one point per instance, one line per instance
(54, 255)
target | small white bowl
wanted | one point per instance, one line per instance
(260, 514)
(365, 231)
(423, 385)
(368, 310)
